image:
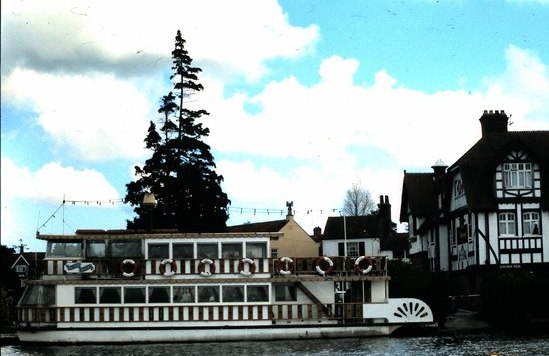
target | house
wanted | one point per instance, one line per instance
(370, 235)
(295, 242)
(25, 265)
(490, 209)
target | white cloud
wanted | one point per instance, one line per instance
(328, 127)
(523, 89)
(107, 31)
(91, 117)
(52, 182)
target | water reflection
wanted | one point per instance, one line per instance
(479, 344)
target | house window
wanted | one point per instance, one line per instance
(507, 224)
(530, 223)
(353, 249)
(458, 188)
(274, 253)
(517, 175)
(21, 269)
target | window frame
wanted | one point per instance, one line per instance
(515, 172)
(528, 220)
(504, 221)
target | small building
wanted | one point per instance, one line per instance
(370, 235)
(488, 209)
(294, 242)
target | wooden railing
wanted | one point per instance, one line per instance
(48, 316)
(140, 268)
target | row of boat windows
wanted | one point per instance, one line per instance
(174, 250)
(182, 294)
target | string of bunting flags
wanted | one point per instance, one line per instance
(232, 209)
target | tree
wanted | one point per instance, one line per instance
(358, 201)
(181, 170)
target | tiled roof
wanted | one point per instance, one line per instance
(356, 227)
(418, 193)
(267, 226)
(477, 165)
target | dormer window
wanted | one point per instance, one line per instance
(517, 175)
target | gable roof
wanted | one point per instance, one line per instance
(357, 227)
(267, 226)
(418, 195)
(478, 163)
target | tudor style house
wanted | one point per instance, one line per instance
(490, 208)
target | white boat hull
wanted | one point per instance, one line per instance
(142, 335)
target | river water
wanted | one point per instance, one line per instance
(501, 344)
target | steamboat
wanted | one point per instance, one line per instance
(119, 286)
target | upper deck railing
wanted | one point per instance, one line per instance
(139, 268)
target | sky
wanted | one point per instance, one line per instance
(306, 97)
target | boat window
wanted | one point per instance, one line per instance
(30, 297)
(85, 295)
(285, 293)
(134, 294)
(159, 250)
(125, 248)
(109, 295)
(95, 249)
(208, 294)
(48, 295)
(233, 293)
(183, 295)
(231, 250)
(159, 294)
(64, 249)
(258, 293)
(256, 250)
(38, 295)
(206, 251)
(184, 250)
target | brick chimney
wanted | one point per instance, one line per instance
(493, 122)
(384, 207)
(317, 234)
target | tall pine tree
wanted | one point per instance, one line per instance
(181, 171)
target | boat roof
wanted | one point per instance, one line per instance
(141, 235)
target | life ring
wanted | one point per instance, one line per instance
(125, 268)
(330, 266)
(251, 268)
(359, 269)
(173, 267)
(287, 266)
(202, 267)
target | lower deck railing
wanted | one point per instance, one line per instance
(49, 316)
